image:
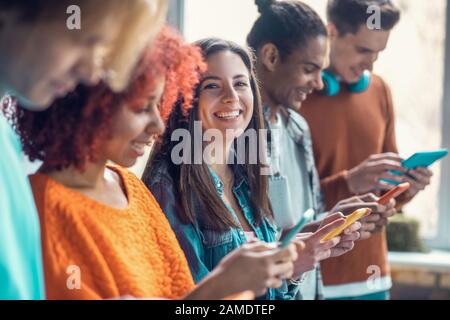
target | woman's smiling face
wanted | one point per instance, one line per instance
(226, 97)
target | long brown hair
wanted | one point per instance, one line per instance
(193, 181)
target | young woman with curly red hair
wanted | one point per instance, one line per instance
(104, 234)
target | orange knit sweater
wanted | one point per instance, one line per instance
(108, 252)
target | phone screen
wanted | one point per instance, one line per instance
(304, 220)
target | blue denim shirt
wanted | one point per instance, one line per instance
(205, 248)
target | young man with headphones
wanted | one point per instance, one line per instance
(353, 132)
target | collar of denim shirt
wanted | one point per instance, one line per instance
(239, 179)
(294, 129)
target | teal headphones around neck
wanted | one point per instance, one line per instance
(332, 86)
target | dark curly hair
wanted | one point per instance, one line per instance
(71, 131)
(287, 24)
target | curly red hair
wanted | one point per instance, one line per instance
(72, 130)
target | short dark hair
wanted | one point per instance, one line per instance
(287, 24)
(349, 15)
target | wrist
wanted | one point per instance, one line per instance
(298, 280)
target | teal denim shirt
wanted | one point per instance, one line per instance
(205, 248)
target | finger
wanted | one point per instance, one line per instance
(258, 246)
(285, 254)
(282, 270)
(274, 283)
(299, 245)
(389, 213)
(415, 183)
(352, 228)
(369, 197)
(369, 226)
(389, 176)
(350, 207)
(349, 237)
(387, 156)
(373, 206)
(381, 209)
(324, 255)
(391, 204)
(329, 244)
(383, 222)
(345, 245)
(425, 171)
(303, 235)
(323, 231)
(364, 235)
(383, 186)
(419, 177)
(411, 193)
(373, 217)
(385, 165)
(332, 217)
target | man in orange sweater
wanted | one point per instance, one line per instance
(353, 131)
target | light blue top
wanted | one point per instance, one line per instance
(21, 274)
(292, 161)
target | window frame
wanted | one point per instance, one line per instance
(442, 239)
(175, 15)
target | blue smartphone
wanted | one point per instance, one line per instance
(419, 159)
(306, 218)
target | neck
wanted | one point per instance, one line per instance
(220, 163)
(266, 98)
(331, 68)
(274, 107)
(224, 173)
(92, 177)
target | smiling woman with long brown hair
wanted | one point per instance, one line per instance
(220, 204)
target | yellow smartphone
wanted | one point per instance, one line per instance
(349, 220)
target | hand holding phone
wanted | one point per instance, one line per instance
(419, 159)
(306, 218)
(349, 220)
(393, 193)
